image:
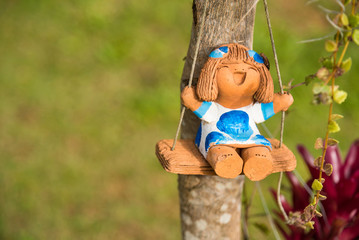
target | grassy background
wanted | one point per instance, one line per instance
(86, 90)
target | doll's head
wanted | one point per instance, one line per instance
(207, 87)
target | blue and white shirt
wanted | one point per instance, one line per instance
(237, 127)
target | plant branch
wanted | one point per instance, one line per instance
(343, 53)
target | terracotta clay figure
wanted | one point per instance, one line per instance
(234, 92)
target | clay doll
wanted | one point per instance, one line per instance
(234, 92)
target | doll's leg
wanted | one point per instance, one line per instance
(258, 162)
(225, 161)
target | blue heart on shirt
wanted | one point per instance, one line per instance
(235, 124)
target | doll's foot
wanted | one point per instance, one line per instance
(258, 163)
(225, 161)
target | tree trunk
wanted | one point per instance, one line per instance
(210, 205)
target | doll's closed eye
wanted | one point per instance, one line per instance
(253, 68)
(222, 67)
(246, 70)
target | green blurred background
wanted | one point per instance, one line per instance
(88, 87)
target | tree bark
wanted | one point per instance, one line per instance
(210, 205)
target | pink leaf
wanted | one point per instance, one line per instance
(333, 156)
(309, 160)
(352, 160)
(300, 196)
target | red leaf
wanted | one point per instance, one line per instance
(300, 196)
(351, 232)
(330, 189)
(337, 227)
(346, 188)
(352, 160)
(355, 177)
(333, 156)
(349, 208)
(308, 158)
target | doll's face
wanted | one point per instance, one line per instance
(237, 78)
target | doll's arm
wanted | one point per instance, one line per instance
(282, 102)
(206, 111)
(190, 99)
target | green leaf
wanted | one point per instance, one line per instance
(318, 213)
(344, 19)
(333, 127)
(321, 93)
(318, 143)
(355, 36)
(335, 116)
(330, 46)
(316, 185)
(310, 224)
(354, 20)
(327, 62)
(332, 142)
(340, 96)
(328, 169)
(347, 35)
(314, 201)
(322, 197)
(320, 88)
(346, 2)
(346, 65)
(317, 88)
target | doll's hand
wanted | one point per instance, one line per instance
(282, 102)
(190, 99)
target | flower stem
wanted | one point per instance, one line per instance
(325, 146)
(353, 7)
(327, 134)
(343, 53)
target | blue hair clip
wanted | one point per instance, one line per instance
(255, 56)
(219, 52)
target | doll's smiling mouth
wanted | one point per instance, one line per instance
(239, 77)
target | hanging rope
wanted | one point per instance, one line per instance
(192, 70)
(276, 66)
(266, 209)
(283, 113)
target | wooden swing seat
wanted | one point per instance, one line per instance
(186, 158)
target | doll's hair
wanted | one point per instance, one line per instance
(207, 89)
